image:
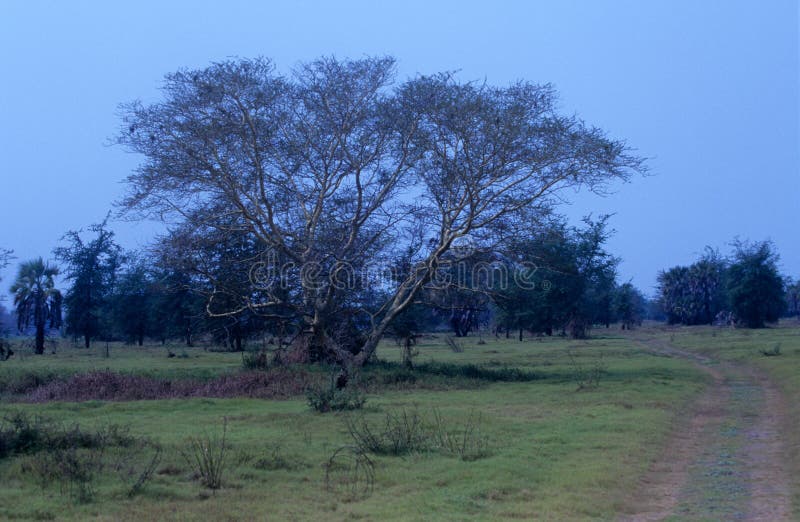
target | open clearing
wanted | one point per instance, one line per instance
(686, 424)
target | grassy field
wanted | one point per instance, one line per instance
(553, 452)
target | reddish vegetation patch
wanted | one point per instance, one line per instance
(111, 386)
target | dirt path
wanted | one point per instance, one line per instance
(725, 459)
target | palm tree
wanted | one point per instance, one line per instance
(36, 299)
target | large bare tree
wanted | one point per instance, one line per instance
(335, 167)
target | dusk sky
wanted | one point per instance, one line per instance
(707, 90)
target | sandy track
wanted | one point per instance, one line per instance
(671, 488)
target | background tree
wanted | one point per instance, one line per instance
(792, 298)
(707, 287)
(334, 167)
(595, 278)
(695, 294)
(91, 270)
(630, 305)
(542, 289)
(409, 325)
(560, 278)
(5, 318)
(175, 310)
(131, 300)
(461, 293)
(36, 299)
(673, 290)
(755, 285)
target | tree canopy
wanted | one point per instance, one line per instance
(336, 166)
(91, 270)
(36, 299)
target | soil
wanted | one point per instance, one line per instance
(726, 458)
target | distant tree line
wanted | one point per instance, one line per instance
(745, 288)
(557, 279)
(560, 280)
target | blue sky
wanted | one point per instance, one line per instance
(707, 90)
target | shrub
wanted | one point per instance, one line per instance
(75, 469)
(277, 459)
(145, 474)
(407, 432)
(206, 456)
(402, 433)
(472, 371)
(774, 351)
(112, 386)
(350, 473)
(466, 442)
(5, 349)
(135, 467)
(24, 382)
(330, 397)
(21, 433)
(258, 360)
(587, 377)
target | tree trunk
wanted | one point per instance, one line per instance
(86, 340)
(39, 347)
(141, 338)
(374, 337)
(317, 344)
(407, 362)
(520, 334)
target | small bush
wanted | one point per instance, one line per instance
(278, 459)
(18, 383)
(402, 433)
(5, 349)
(472, 371)
(75, 469)
(406, 432)
(21, 433)
(135, 467)
(466, 442)
(75, 457)
(206, 456)
(329, 397)
(587, 377)
(350, 473)
(774, 351)
(258, 360)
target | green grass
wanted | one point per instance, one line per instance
(148, 360)
(556, 453)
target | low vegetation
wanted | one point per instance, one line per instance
(502, 442)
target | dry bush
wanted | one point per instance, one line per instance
(206, 456)
(350, 473)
